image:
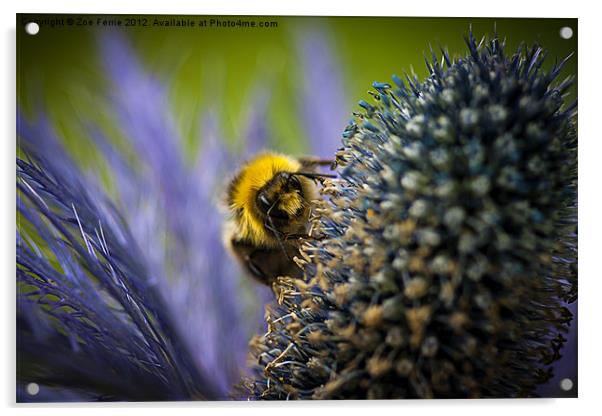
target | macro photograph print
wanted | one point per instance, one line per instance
(218, 208)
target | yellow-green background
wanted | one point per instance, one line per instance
(59, 69)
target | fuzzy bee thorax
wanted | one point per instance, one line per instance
(265, 188)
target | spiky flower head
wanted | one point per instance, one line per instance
(445, 253)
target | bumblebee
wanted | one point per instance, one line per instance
(270, 204)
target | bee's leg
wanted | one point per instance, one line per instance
(278, 235)
(247, 254)
(295, 236)
(304, 236)
(256, 270)
(269, 224)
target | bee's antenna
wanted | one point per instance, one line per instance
(313, 175)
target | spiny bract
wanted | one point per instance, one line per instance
(446, 252)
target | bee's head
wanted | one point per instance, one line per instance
(271, 193)
(282, 198)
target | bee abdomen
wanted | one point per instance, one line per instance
(266, 264)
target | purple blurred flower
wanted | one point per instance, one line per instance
(203, 280)
(257, 133)
(91, 323)
(169, 222)
(201, 287)
(322, 98)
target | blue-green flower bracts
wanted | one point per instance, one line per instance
(445, 254)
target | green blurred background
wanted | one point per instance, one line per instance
(224, 68)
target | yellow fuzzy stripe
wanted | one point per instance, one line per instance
(253, 176)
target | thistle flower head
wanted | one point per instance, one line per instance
(446, 252)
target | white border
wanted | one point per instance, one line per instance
(590, 157)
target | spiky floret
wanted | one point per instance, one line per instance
(447, 249)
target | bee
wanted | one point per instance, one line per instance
(270, 205)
